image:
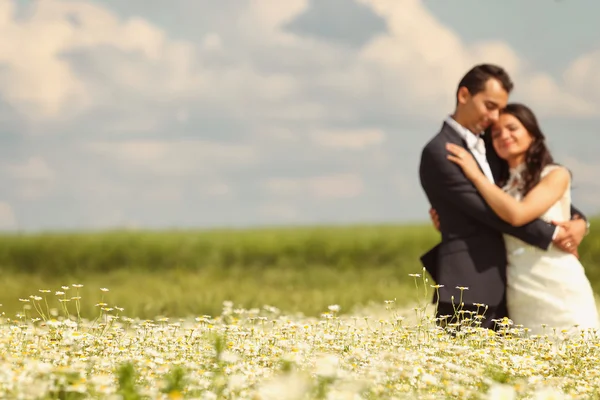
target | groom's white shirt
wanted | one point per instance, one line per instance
(477, 147)
(475, 144)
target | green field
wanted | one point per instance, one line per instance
(188, 273)
(246, 351)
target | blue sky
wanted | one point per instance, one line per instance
(203, 113)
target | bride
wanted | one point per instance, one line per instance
(545, 289)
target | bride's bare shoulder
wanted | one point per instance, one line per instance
(556, 172)
(555, 167)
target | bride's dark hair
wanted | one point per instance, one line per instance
(537, 156)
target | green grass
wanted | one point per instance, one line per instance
(183, 273)
(184, 293)
(343, 247)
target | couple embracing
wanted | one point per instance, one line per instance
(503, 207)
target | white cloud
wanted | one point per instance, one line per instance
(270, 15)
(212, 41)
(150, 123)
(356, 139)
(583, 173)
(35, 169)
(8, 220)
(400, 182)
(275, 134)
(582, 76)
(279, 211)
(585, 185)
(427, 60)
(546, 97)
(337, 186)
(39, 80)
(176, 157)
(34, 178)
(411, 69)
(217, 189)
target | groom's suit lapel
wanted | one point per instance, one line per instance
(492, 157)
(458, 139)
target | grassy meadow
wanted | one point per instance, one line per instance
(218, 316)
(187, 273)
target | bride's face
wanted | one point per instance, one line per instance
(510, 138)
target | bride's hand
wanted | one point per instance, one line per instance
(459, 155)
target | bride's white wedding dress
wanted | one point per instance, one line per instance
(547, 287)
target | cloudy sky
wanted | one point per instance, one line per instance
(203, 113)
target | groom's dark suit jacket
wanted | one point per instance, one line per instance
(472, 252)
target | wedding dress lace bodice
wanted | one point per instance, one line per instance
(559, 211)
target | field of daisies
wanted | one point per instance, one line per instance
(50, 352)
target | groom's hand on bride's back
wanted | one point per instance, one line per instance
(570, 235)
(434, 218)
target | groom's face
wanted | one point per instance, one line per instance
(483, 108)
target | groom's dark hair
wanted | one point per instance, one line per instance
(476, 78)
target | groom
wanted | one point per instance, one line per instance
(472, 253)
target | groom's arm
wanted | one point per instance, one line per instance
(446, 179)
(576, 229)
